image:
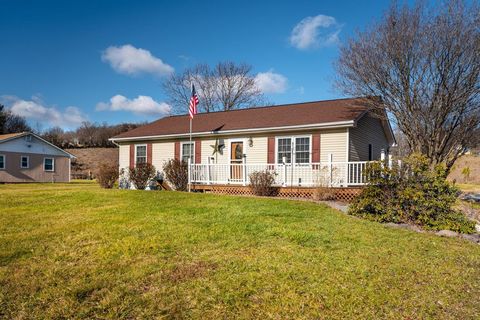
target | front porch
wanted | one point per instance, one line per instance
(329, 174)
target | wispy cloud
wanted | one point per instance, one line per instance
(129, 60)
(271, 82)
(141, 105)
(313, 32)
(35, 110)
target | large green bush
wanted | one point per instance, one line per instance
(413, 193)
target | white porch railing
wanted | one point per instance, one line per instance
(333, 174)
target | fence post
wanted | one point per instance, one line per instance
(208, 170)
(189, 163)
(284, 160)
(330, 169)
(244, 169)
(347, 172)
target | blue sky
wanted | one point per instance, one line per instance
(62, 61)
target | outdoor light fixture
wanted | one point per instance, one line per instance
(250, 142)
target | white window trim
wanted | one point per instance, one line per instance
(4, 162)
(28, 162)
(294, 153)
(146, 153)
(193, 151)
(53, 164)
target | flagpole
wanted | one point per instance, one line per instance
(191, 149)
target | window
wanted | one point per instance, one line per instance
(285, 150)
(24, 162)
(2, 161)
(187, 151)
(140, 154)
(300, 149)
(48, 164)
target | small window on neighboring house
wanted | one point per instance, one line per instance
(2, 161)
(24, 162)
(370, 153)
(140, 154)
(187, 151)
(48, 164)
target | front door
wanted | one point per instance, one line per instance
(236, 160)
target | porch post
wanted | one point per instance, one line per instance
(390, 161)
(244, 169)
(347, 172)
(189, 163)
(208, 170)
(284, 160)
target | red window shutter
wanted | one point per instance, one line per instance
(271, 150)
(316, 148)
(149, 153)
(132, 156)
(177, 150)
(198, 151)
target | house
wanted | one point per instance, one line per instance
(26, 157)
(301, 143)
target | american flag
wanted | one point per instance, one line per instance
(193, 103)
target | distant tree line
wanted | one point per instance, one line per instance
(88, 135)
(12, 123)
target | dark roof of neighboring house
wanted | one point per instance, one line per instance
(298, 114)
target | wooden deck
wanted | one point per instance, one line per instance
(345, 194)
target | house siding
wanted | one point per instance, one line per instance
(369, 130)
(34, 173)
(333, 142)
(161, 153)
(124, 156)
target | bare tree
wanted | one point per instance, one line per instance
(424, 65)
(227, 86)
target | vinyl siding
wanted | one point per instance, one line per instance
(369, 130)
(333, 141)
(161, 153)
(124, 156)
(257, 153)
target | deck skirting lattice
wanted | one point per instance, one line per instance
(344, 194)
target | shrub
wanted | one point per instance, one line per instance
(413, 193)
(261, 183)
(141, 175)
(176, 172)
(323, 193)
(107, 175)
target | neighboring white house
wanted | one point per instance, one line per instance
(226, 146)
(26, 157)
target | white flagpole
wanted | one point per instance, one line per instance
(191, 148)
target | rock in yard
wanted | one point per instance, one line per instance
(447, 233)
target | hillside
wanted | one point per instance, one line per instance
(88, 160)
(467, 161)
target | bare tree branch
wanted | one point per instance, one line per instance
(425, 66)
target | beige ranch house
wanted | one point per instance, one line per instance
(26, 157)
(304, 144)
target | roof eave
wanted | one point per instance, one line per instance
(326, 125)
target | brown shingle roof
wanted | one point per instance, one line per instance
(308, 113)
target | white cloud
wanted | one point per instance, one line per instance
(315, 31)
(271, 82)
(140, 105)
(134, 61)
(36, 110)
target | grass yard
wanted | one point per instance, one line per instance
(76, 251)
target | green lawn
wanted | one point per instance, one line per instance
(76, 251)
